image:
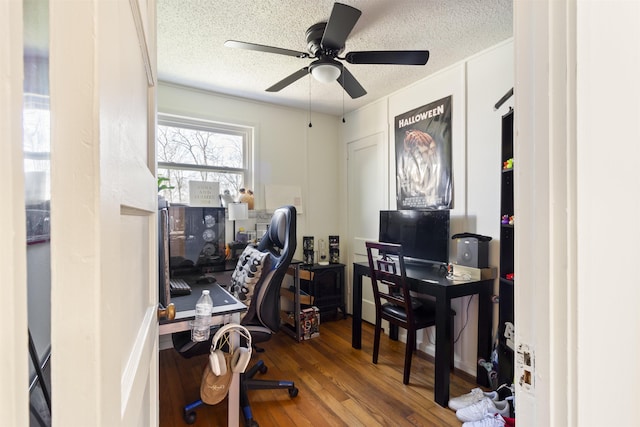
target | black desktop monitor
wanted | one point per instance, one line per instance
(196, 240)
(423, 234)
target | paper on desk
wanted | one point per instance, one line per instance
(462, 273)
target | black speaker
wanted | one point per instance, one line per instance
(473, 252)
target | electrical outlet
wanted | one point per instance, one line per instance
(525, 367)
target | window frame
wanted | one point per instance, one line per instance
(247, 133)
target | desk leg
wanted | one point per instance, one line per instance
(485, 315)
(356, 328)
(341, 278)
(443, 351)
(393, 332)
(233, 404)
(296, 301)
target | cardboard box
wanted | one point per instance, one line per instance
(309, 323)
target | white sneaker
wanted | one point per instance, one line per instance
(479, 410)
(474, 396)
(491, 420)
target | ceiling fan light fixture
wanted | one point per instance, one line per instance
(326, 72)
(325, 42)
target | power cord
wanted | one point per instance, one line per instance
(466, 321)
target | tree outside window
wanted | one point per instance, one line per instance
(195, 150)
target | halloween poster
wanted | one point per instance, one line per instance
(423, 157)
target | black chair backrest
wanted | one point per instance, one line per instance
(280, 241)
(387, 268)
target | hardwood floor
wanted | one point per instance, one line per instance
(339, 386)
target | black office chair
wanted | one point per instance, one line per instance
(393, 300)
(262, 318)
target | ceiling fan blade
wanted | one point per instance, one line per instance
(342, 20)
(350, 84)
(398, 57)
(288, 80)
(262, 48)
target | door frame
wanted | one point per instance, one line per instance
(357, 251)
(14, 394)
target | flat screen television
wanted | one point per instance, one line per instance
(423, 234)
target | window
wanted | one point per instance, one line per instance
(198, 150)
(36, 145)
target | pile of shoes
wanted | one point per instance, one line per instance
(479, 408)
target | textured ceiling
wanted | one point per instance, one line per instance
(191, 34)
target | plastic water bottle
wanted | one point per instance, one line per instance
(202, 322)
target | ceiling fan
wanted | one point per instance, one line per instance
(325, 41)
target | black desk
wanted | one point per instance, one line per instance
(425, 281)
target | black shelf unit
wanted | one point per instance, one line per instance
(325, 283)
(507, 238)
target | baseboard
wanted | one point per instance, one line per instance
(456, 371)
(165, 343)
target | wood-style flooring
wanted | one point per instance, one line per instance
(339, 386)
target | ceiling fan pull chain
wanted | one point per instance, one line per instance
(342, 76)
(309, 108)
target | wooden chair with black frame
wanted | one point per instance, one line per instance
(394, 302)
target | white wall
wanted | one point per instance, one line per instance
(489, 78)
(286, 150)
(475, 84)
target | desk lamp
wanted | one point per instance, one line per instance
(237, 211)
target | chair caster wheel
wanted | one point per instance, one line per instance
(263, 369)
(252, 423)
(189, 417)
(293, 392)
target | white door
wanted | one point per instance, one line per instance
(367, 195)
(14, 397)
(103, 214)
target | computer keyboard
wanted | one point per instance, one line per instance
(179, 287)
